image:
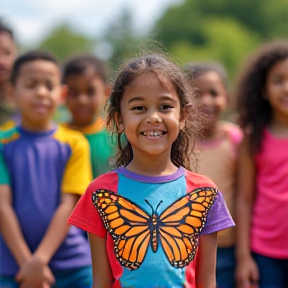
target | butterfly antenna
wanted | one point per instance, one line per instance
(152, 207)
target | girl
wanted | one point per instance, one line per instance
(221, 141)
(146, 218)
(262, 203)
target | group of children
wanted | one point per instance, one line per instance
(150, 221)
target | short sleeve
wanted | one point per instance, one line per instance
(85, 215)
(4, 175)
(78, 171)
(218, 217)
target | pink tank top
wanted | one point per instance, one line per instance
(269, 230)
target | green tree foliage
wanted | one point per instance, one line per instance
(267, 18)
(63, 42)
(229, 46)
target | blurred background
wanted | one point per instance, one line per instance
(191, 30)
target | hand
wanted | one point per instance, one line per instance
(34, 274)
(247, 273)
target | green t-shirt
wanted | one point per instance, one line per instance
(102, 146)
(101, 149)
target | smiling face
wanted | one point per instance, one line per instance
(86, 96)
(276, 91)
(150, 116)
(213, 95)
(37, 92)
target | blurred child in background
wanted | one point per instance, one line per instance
(85, 76)
(8, 53)
(219, 153)
(43, 170)
(262, 202)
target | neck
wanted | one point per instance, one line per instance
(36, 127)
(212, 133)
(153, 165)
(279, 120)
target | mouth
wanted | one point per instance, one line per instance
(153, 133)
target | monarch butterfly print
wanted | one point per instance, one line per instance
(133, 229)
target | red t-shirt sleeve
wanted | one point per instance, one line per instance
(85, 215)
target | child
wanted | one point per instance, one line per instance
(262, 202)
(218, 159)
(43, 169)
(152, 210)
(7, 57)
(85, 77)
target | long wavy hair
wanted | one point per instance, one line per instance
(255, 112)
(167, 72)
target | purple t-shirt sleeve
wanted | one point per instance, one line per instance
(218, 217)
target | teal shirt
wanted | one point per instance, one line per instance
(101, 149)
(102, 146)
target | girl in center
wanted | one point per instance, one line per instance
(150, 217)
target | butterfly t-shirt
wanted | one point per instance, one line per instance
(152, 224)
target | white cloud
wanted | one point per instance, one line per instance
(33, 19)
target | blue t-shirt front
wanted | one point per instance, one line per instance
(38, 167)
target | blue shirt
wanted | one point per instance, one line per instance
(39, 167)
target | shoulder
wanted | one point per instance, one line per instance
(9, 136)
(69, 136)
(234, 131)
(107, 181)
(195, 180)
(7, 125)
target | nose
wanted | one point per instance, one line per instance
(154, 118)
(42, 91)
(206, 99)
(83, 99)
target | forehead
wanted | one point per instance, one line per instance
(39, 69)
(6, 41)
(280, 67)
(88, 78)
(149, 89)
(210, 78)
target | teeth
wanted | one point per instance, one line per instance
(153, 133)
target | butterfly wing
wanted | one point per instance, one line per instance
(181, 223)
(127, 223)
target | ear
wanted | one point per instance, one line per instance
(185, 113)
(63, 94)
(108, 89)
(119, 123)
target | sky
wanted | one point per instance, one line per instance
(32, 20)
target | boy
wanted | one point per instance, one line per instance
(8, 53)
(85, 77)
(43, 168)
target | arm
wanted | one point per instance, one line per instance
(206, 261)
(10, 228)
(246, 267)
(102, 275)
(53, 238)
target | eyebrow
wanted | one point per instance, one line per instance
(164, 97)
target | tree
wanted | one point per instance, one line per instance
(63, 42)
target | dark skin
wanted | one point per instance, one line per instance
(87, 93)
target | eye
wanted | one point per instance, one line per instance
(139, 108)
(166, 107)
(214, 93)
(50, 86)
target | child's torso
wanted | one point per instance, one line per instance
(36, 164)
(269, 231)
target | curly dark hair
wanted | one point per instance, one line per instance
(254, 110)
(182, 149)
